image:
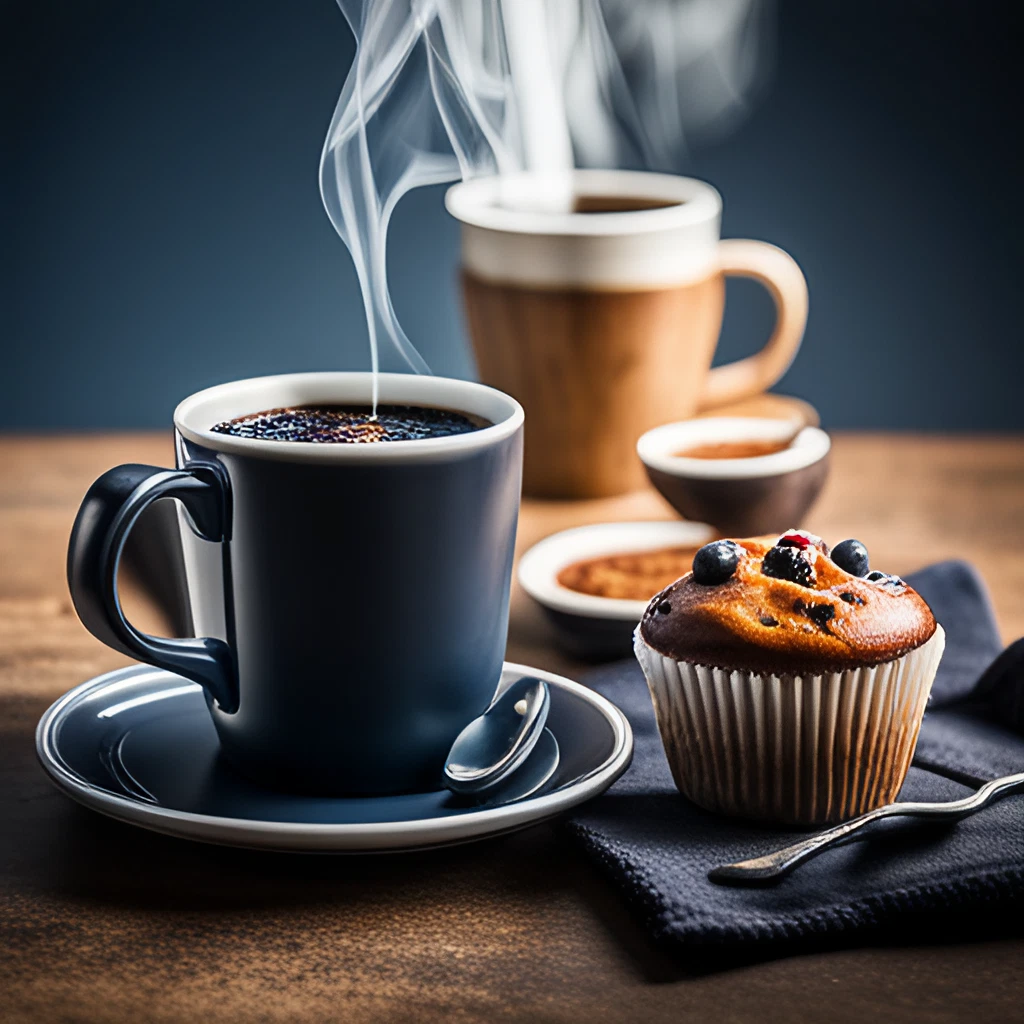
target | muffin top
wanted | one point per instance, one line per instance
(789, 605)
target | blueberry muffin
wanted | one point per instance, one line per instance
(789, 680)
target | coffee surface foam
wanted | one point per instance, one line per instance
(335, 424)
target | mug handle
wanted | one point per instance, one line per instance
(781, 275)
(109, 510)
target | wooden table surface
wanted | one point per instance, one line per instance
(102, 921)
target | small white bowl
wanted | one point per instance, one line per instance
(740, 497)
(657, 448)
(587, 625)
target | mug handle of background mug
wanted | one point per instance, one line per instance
(780, 274)
(109, 510)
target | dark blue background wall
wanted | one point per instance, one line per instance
(163, 229)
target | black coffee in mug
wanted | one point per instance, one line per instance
(621, 204)
(351, 424)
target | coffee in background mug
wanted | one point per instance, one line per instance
(603, 321)
(350, 600)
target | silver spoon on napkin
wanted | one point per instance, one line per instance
(774, 866)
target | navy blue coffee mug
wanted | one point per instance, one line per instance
(350, 600)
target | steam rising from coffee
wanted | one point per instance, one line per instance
(448, 89)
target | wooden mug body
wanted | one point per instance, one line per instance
(594, 369)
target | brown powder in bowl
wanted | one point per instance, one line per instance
(631, 576)
(752, 449)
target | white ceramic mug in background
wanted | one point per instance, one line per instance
(603, 321)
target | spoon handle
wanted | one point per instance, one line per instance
(774, 866)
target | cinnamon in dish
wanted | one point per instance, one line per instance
(751, 449)
(631, 576)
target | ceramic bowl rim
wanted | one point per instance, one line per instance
(656, 447)
(540, 564)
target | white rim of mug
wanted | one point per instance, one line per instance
(475, 202)
(657, 448)
(193, 417)
(540, 565)
(379, 836)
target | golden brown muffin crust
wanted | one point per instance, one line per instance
(758, 623)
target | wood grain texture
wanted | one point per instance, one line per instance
(100, 921)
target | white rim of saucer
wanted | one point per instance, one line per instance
(657, 447)
(540, 565)
(196, 415)
(340, 838)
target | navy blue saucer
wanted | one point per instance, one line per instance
(138, 744)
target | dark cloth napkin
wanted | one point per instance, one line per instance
(658, 847)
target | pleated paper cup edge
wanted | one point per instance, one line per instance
(803, 749)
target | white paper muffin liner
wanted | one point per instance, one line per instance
(801, 749)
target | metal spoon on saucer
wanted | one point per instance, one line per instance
(498, 744)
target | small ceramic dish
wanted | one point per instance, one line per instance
(740, 497)
(586, 625)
